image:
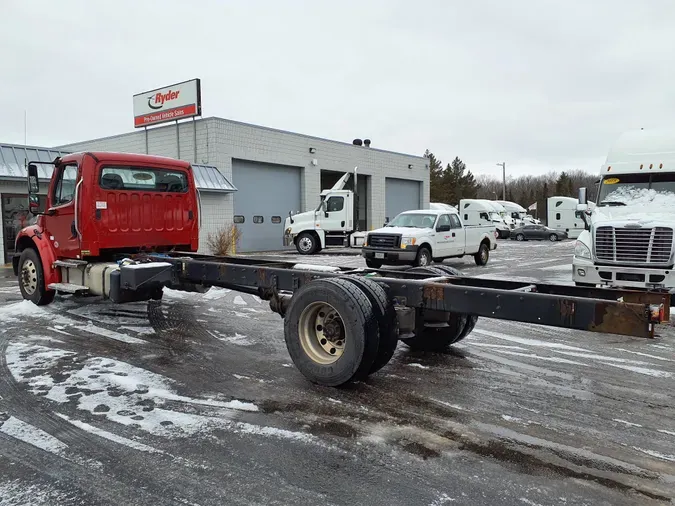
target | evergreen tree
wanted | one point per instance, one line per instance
(459, 182)
(438, 191)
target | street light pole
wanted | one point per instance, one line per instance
(503, 166)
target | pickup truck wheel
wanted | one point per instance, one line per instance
(306, 244)
(32, 279)
(331, 332)
(553, 237)
(483, 255)
(386, 318)
(423, 257)
(373, 264)
(471, 320)
(520, 237)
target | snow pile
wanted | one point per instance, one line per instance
(12, 312)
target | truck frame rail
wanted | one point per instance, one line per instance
(626, 312)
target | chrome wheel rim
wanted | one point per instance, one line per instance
(484, 254)
(29, 279)
(322, 333)
(305, 244)
(552, 238)
(424, 259)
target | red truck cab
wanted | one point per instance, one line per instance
(101, 206)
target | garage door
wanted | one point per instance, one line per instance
(265, 195)
(401, 195)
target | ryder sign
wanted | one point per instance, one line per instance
(171, 103)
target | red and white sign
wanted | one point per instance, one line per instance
(171, 103)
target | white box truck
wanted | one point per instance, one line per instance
(628, 240)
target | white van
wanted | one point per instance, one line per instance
(480, 212)
(562, 214)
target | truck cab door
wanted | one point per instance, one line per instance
(444, 237)
(335, 215)
(60, 220)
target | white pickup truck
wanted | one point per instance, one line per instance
(420, 237)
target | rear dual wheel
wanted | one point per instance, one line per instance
(340, 330)
(437, 331)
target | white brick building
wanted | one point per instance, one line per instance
(275, 172)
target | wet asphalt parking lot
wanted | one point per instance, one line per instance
(195, 401)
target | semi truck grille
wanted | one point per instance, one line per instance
(634, 245)
(384, 241)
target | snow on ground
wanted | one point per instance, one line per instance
(33, 436)
(128, 395)
(110, 436)
(18, 493)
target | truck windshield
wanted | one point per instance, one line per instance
(628, 189)
(413, 220)
(495, 217)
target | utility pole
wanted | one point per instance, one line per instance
(503, 166)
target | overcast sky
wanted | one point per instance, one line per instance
(538, 84)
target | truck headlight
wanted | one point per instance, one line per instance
(581, 250)
(287, 231)
(408, 241)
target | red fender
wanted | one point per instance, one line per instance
(36, 236)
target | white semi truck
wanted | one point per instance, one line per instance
(332, 223)
(480, 212)
(562, 214)
(628, 236)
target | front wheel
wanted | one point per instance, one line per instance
(520, 237)
(306, 244)
(423, 257)
(553, 238)
(32, 279)
(483, 254)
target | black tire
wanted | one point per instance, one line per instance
(483, 255)
(471, 320)
(373, 264)
(306, 243)
(553, 238)
(32, 279)
(436, 338)
(386, 317)
(423, 257)
(520, 237)
(358, 320)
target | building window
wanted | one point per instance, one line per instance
(276, 219)
(258, 219)
(239, 218)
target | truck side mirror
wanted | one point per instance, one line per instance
(33, 189)
(443, 228)
(582, 196)
(33, 183)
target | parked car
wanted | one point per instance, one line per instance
(537, 233)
